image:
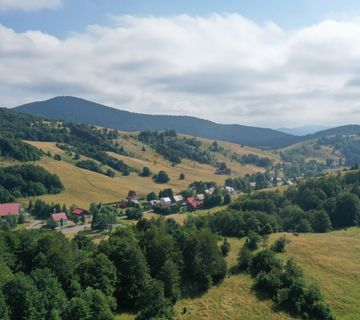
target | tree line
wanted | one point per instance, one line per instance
(27, 180)
(146, 268)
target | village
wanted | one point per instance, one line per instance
(76, 219)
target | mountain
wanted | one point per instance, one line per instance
(342, 130)
(83, 111)
(303, 130)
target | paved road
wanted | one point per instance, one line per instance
(75, 229)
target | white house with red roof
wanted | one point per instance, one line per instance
(7, 209)
(61, 218)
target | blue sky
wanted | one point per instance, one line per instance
(278, 63)
(75, 15)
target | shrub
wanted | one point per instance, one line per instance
(280, 244)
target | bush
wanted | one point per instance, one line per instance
(225, 247)
(244, 258)
(134, 213)
(280, 244)
(145, 172)
(264, 261)
(253, 241)
(161, 177)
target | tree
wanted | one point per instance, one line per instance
(303, 226)
(145, 172)
(104, 218)
(244, 258)
(98, 272)
(161, 177)
(4, 310)
(166, 193)
(227, 199)
(347, 211)
(264, 261)
(23, 298)
(50, 292)
(151, 196)
(152, 304)
(181, 176)
(170, 276)
(280, 244)
(134, 213)
(131, 268)
(225, 247)
(320, 221)
(253, 241)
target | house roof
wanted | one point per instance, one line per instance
(9, 208)
(165, 199)
(178, 198)
(193, 202)
(59, 216)
(200, 197)
(79, 211)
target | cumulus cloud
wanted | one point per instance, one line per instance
(29, 5)
(224, 68)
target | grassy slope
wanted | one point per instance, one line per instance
(332, 260)
(311, 153)
(83, 187)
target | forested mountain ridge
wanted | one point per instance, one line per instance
(82, 111)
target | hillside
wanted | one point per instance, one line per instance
(79, 110)
(337, 276)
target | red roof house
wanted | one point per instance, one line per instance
(193, 203)
(9, 208)
(60, 218)
(80, 212)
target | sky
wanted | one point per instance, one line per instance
(276, 63)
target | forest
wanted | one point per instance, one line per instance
(146, 268)
(27, 180)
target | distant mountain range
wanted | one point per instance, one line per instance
(82, 111)
(303, 131)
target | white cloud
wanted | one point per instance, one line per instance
(222, 67)
(29, 5)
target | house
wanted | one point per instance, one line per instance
(7, 209)
(252, 184)
(61, 218)
(123, 203)
(132, 195)
(193, 203)
(154, 202)
(178, 198)
(165, 202)
(229, 189)
(200, 197)
(79, 212)
(210, 191)
(134, 203)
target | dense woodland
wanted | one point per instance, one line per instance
(146, 268)
(173, 148)
(18, 150)
(27, 180)
(315, 205)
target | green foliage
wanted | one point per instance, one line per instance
(253, 241)
(227, 199)
(89, 165)
(181, 176)
(104, 218)
(145, 172)
(151, 196)
(18, 150)
(244, 258)
(134, 213)
(347, 211)
(161, 177)
(225, 247)
(28, 180)
(280, 244)
(173, 148)
(213, 200)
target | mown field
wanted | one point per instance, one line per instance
(83, 187)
